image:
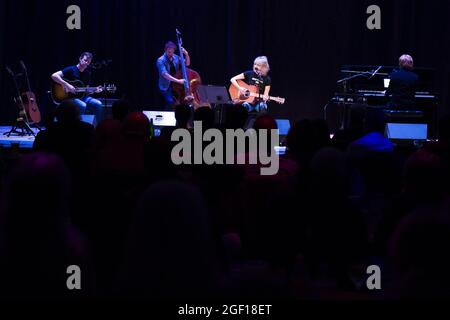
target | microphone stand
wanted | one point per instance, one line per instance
(105, 75)
(260, 79)
(344, 82)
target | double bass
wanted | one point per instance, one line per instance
(187, 93)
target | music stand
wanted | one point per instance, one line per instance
(214, 95)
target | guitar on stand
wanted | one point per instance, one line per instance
(29, 98)
(21, 125)
(250, 95)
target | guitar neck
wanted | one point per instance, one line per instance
(85, 89)
(256, 95)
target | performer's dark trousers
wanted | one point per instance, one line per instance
(168, 99)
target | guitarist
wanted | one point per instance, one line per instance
(257, 77)
(82, 73)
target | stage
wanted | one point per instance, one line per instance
(24, 142)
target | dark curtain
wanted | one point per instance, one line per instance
(306, 42)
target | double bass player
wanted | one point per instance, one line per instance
(169, 65)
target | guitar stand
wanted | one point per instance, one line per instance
(35, 125)
(21, 128)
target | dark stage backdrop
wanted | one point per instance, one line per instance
(306, 42)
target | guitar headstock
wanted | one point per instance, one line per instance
(111, 88)
(279, 100)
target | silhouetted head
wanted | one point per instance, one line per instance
(107, 132)
(36, 229)
(120, 109)
(206, 116)
(46, 181)
(375, 121)
(136, 124)
(170, 248)
(328, 171)
(236, 117)
(300, 139)
(266, 122)
(423, 174)
(419, 249)
(322, 133)
(68, 112)
(444, 129)
(182, 115)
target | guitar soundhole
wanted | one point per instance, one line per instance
(243, 96)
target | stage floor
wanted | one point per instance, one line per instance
(15, 139)
(26, 142)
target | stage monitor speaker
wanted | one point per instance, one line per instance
(407, 131)
(284, 125)
(107, 102)
(89, 119)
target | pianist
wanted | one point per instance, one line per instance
(403, 84)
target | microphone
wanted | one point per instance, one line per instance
(375, 72)
(100, 64)
(9, 71)
(23, 65)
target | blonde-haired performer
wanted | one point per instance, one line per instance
(257, 77)
(406, 62)
(403, 84)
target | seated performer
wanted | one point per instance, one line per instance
(81, 73)
(257, 77)
(403, 84)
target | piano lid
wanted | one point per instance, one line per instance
(379, 81)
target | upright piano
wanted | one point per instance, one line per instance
(366, 86)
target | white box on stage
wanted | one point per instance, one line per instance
(162, 118)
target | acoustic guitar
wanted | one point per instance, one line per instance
(30, 106)
(59, 92)
(250, 95)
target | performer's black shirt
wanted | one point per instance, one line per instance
(402, 87)
(251, 78)
(173, 71)
(73, 73)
